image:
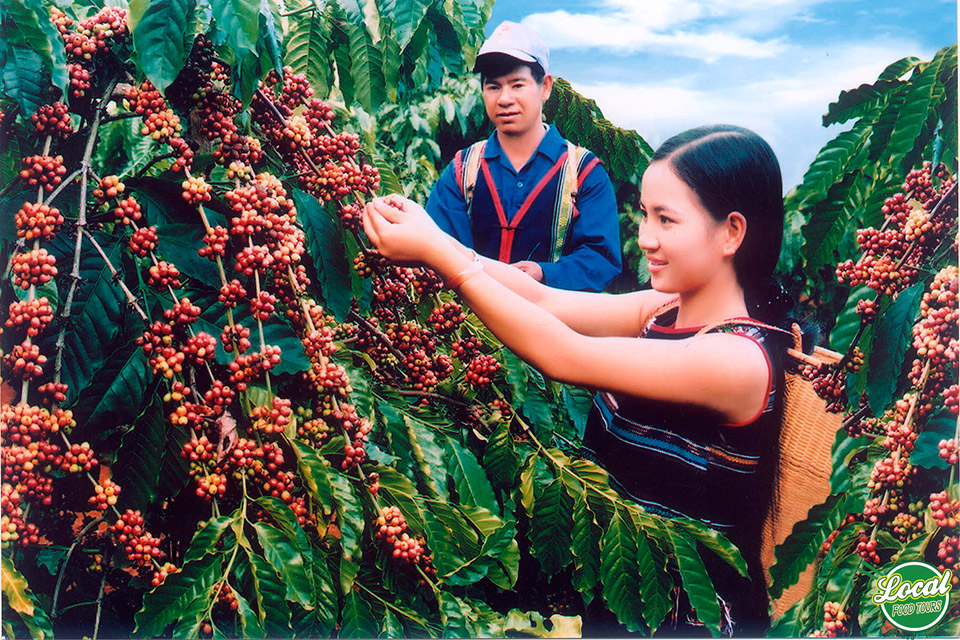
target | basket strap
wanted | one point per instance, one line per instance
(656, 313)
(752, 323)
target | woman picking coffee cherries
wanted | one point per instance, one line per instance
(686, 421)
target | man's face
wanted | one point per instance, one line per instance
(514, 101)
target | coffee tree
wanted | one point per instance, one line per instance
(894, 488)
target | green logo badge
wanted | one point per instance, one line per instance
(914, 596)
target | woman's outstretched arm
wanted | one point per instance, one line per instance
(594, 314)
(726, 373)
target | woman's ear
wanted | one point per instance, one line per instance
(734, 230)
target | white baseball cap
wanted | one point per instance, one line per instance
(517, 41)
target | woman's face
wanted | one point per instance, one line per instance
(685, 246)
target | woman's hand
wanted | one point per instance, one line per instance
(403, 231)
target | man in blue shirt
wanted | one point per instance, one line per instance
(525, 196)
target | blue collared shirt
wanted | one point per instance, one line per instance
(591, 255)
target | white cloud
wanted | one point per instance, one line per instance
(707, 29)
(777, 102)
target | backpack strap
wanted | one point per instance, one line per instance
(564, 211)
(574, 173)
(466, 168)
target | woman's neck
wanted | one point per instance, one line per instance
(720, 299)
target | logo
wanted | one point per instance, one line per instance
(914, 596)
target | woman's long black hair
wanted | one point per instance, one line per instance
(733, 169)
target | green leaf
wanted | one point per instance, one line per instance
(789, 624)
(696, 582)
(315, 475)
(923, 95)
(326, 248)
(98, 313)
(15, 588)
(585, 545)
(899, 68)
(249, 621)
(716, 542)
(269, 39)
(533, 478)
(269, 592)
(456, 543)
(50, 557)
(137, 468)
(832, 162)
(538, 407)
(392, 627)
(366, 67)
(859, 102)
(926, 449)
(550, 527)
(469, 478)
(829, 222)
(308, 50)
(349, 515)
(287, 560)
(870, 616)
(357, 620)
(500, 457)
(24, 79)
(117, 392)
(517, 375)
(19, 598)
(405, 16)
(178, 243)
(802, 545)
(578, 402)
(239, 20)
(653, 591)
(33, 23)
(206, 537)
(892, 339)
(159, 30)
(620, 572)
(848, 322)
(428, 450)
(400, 492)
(397, 439)
(166, 604)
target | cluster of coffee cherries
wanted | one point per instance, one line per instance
(948, 555)
(141, 548)
(916, 220)
(327, 162)
(86, 42)
(829, 383)
(43, 171)
(391, 529)
(52, 120)
(481, 371)
(160, 122)
(834, 622)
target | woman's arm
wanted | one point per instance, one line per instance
(727, 373)
(595, 314)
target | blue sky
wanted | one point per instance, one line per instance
(663, 66)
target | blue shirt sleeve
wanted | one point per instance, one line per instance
(448, 208)
(592, 255)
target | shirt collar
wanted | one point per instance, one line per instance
(552, 146)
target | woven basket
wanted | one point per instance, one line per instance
(802, 478)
